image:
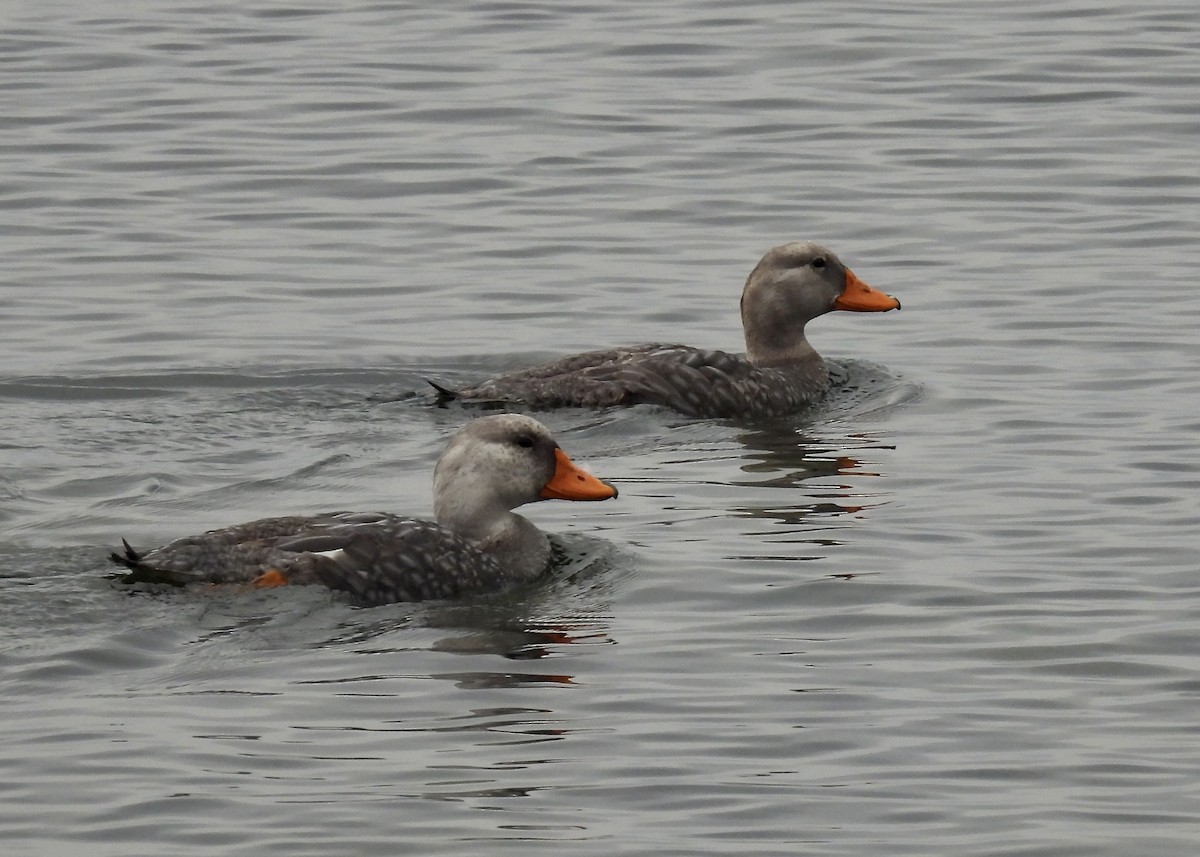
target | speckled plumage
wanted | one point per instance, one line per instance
(478, 545)
(689, 380)
(378, 558)
(779, 374)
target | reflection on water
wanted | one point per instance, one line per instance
(477, 680)
(791, 459)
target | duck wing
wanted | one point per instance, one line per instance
(236, 554)
(398, 559)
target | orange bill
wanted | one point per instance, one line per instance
(857, 296)
(571, 482)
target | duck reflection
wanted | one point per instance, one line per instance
(788, 459)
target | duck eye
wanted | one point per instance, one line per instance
(818, 262)
(525, 441)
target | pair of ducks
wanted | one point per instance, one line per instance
(496, 463)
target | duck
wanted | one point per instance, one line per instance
(476, 544)
(779, 374)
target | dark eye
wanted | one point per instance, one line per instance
(818, 262)
(525, 441)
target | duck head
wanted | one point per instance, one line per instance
(791, 285)
(499, 462)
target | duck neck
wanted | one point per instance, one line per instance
(512, 539)
(777, 343)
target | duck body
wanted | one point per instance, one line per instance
(477, 545)
(779, 374)
(692, 381)
(376, 558)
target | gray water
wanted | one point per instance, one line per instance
(953, 610)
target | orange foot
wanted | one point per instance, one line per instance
(268, 579)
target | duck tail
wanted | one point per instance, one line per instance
(444, 394)
(131, 559)
(142, 572)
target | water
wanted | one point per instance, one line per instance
(953, 610)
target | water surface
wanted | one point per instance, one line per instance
(951, 610)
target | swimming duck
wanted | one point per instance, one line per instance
(779, 373)
(477, 544)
